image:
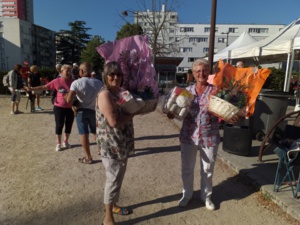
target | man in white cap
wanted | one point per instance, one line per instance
(75, 71)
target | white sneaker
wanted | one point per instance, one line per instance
(58, 148)
(66, 145)
(208, 204)
(183, 202)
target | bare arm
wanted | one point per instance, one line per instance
(108, 107)
(38, 88)
(70, 96)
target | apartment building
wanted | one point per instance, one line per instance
(194, 39)
(20, 9)
(191, 41)
(20, 39)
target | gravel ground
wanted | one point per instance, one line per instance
(40, 186)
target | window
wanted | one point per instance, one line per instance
(198, 39)
(186, 29)
(173, 17)
(222, 40)
(171, 38)
(171, 31)
(258, 30)
(186, 49)
(205, 50)
(233, 30)
(207, 29)
(180, 69)
(192, 59)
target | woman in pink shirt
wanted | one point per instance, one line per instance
(63, 113)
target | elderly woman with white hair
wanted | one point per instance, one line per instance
(199, 132)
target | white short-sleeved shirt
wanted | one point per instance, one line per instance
(86, 89)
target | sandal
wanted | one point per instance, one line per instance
(121, 211)
(84, 160)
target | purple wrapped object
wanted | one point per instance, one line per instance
(134, 56)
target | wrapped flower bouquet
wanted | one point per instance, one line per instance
(238, 89)
(139, 75)
(178, 102)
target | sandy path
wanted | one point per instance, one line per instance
(40, 186)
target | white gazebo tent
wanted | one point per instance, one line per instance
(281, 46)
(243, 40)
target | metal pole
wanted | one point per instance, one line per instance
(227, 39)
(212, 34)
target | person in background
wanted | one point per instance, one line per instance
(75, 71)
(25, 71)
(240, 64)
(15, 87)
(58, 71)
(63, 112)
(115, 137)
(86, 90)
(199, 132)
(35, 80)
(56, 75)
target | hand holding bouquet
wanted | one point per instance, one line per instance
(238, 89)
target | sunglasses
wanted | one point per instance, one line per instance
(112, 75)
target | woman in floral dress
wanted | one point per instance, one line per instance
(115, 138)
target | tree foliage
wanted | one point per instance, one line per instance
(90, 54)
(128, 30)
(71, 42)
(275, 80)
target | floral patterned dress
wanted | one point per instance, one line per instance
(200, 126)
(115, 143)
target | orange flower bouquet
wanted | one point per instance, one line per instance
(237, 91)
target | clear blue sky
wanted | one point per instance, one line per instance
(103, 16)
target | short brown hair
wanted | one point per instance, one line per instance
(111, 67)
(18, 67)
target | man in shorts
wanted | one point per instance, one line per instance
(85, 89)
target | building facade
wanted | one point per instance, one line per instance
(194, 39)
(20, 9)
(191, 41)
(20, 39)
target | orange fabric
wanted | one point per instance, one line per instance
(254, 81)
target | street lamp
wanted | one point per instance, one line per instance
(125, 13)
(227, 33)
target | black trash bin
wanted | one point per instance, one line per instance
(269, 107)
(237, 138)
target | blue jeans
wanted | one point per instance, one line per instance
(86, 121)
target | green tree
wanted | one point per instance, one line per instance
(275, 80)
(90, 54)
(71, 42)
(129, 30)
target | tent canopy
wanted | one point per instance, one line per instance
(244, 39)
(280, 44)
